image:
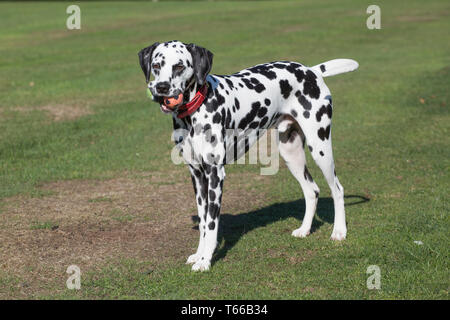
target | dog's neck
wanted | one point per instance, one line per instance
(191, 91)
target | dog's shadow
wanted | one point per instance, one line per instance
(233, 227)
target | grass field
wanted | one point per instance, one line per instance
(86, 176)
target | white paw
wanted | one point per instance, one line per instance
(339, 234)
(300, 233)
(201, 265)
(193, 258)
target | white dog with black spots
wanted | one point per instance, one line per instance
(284, 95)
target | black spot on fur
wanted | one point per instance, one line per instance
(220, 98)
(322, 68)
(295, 68)
(262, 112)
(324, 110)
(230, 83)
(263, 121)
(211, 225)
(214, 210)
(249, 117)
(206, 127)
(217, 117)
(267, 102)
(310, 87)
(324, 133)
(204, 190)
(303, 101)
(279, 66)
(254, 84)
(214, 178)
(206, 167)
(254, 125)
(228, 119)
(307, 175)
(294, 113)
(306, 114)
(212, 195)
(264, 70)
(194, 184)
(286, 88)
(321, 153)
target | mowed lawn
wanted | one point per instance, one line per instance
(86, 176)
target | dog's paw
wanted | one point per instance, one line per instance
(201, 265)
(300, 233)
(193, 258)
(339, 234)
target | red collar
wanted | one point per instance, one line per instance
(190, 107)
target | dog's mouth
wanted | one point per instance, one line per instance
(165, 109)
(170, 104)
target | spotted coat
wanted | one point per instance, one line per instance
(285, 95)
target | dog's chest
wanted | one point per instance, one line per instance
(203, 138)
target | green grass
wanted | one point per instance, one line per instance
(43, 225)
(390, 139)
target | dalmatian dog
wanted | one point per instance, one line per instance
(284, 95)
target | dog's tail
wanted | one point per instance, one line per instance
(334, 67)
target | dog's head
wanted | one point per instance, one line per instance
(175, 67)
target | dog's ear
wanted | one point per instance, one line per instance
(202, 61)
(145, 59)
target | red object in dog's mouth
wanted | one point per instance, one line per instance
(169, 103)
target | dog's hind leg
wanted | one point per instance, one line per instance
(323, 156)
(291, 148)
(200, 183)
(317, 130)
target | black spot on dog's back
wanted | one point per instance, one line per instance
(286, 88)
(303, 100)
(310, 87)
(264, 70)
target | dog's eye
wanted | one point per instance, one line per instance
(156, 66)
(179, 67)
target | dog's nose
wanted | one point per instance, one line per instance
(163, 87)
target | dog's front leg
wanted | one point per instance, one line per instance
(215, 175)
(200, 183)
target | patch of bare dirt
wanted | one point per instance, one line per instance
(89, 223)
(59, 112)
